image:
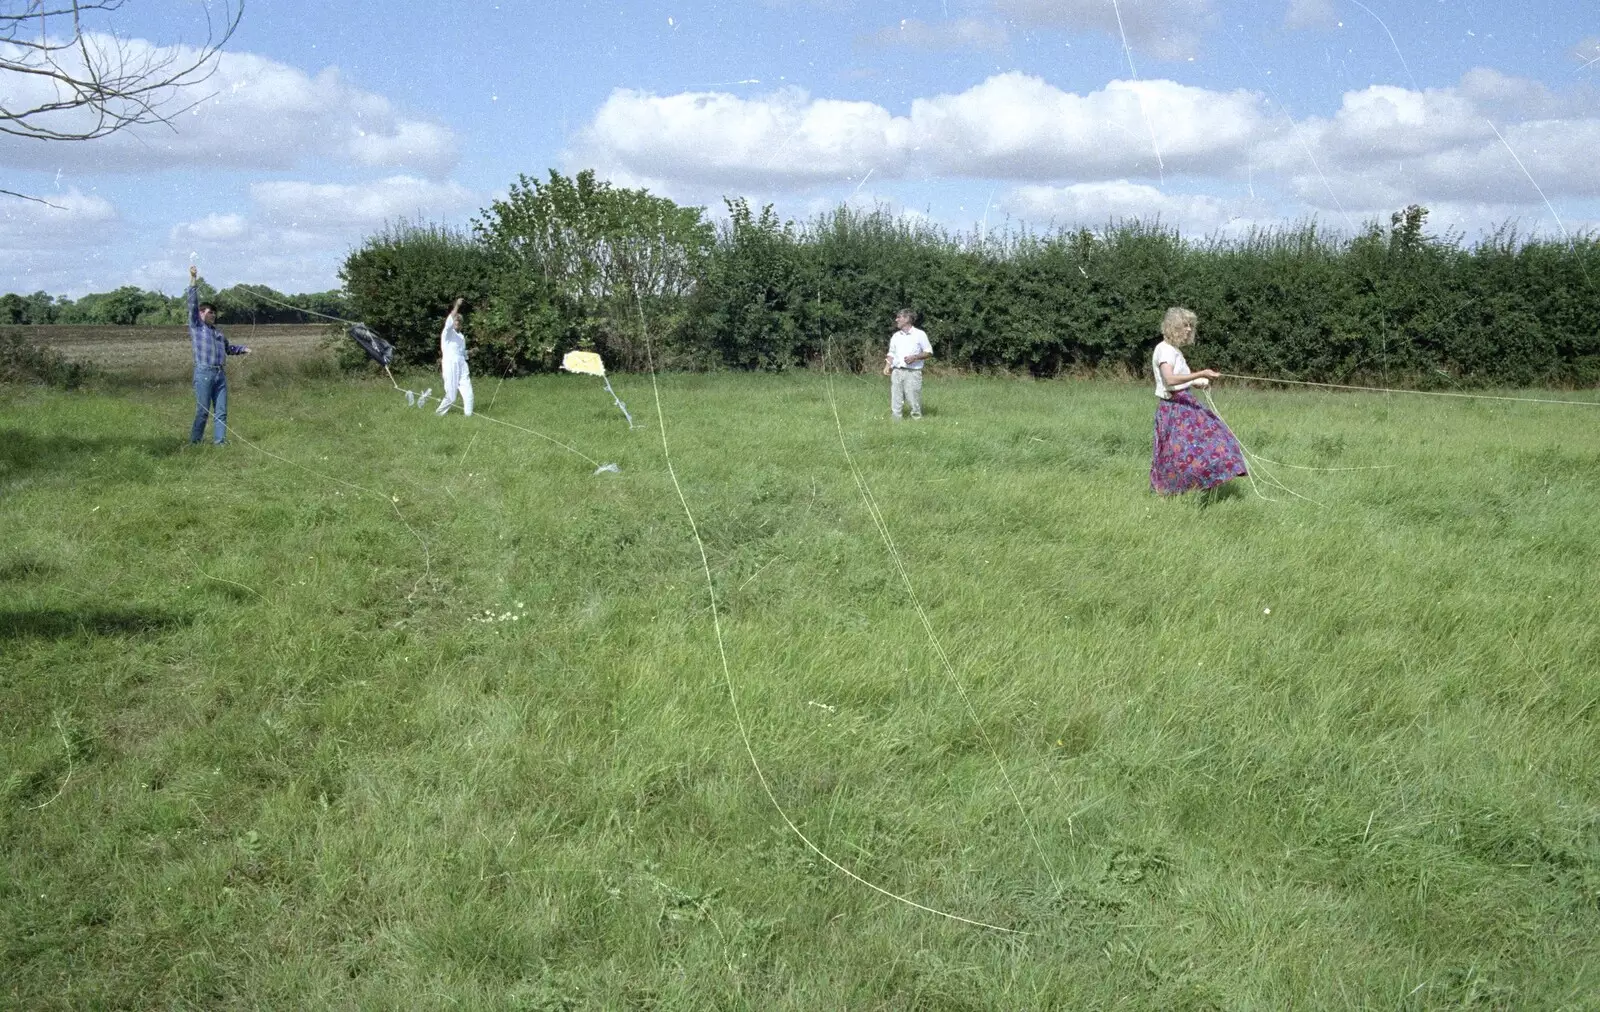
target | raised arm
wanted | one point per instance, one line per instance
(194, 296)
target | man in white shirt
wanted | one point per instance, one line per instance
(908, 349)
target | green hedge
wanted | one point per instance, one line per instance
(1293, 303)
(1392, 303)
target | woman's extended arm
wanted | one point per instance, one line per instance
(1172, 380)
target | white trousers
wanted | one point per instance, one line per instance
(455, 378)
(905, 385)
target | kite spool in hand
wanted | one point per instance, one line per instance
(590, 364)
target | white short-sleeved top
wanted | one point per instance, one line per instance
(1172, 356)
(451, 343)
(908, 342)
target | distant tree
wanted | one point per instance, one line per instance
(40, 307)
(43, 307)
(749, 308)
(123, 306)
(576, 258)
(61, 80)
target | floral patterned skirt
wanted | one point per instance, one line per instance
(1193, 448)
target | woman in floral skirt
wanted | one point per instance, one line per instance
(1193, 447)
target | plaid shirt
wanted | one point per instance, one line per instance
(209, 345)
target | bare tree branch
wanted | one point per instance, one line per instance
(60, 80)
(36, 200)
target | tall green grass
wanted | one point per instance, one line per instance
(464, 740)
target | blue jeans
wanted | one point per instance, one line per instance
(210, 398)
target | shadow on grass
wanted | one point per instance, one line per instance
(23, 452)
(60, 624)
(1221, 493)
(23, 568)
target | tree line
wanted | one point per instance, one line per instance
(133, 306)
(572, 262)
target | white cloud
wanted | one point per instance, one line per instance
(1304, 14)
(55, 245)
(363, 206)
(297, 233)
(1012, 126)
(1095, 204)
(1505, 97)
(72, 218)
(1164, 29)
(1387, 146)
(963, 33)
(1086, 158)
(1020, 127)
(252, 113)
(212, 228)
(716, 137)
(1386, 121)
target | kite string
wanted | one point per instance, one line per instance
(946, 665)
(1206, 392)
(1253, 462)
(1395, 390)
(531, 432)
(620, 406)
(727, 673)
(1161, 166)
(474, 440)
(392, 500)
(336, 319)
(309, 312)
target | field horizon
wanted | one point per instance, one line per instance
(376, 709)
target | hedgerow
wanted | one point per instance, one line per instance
(571, 263)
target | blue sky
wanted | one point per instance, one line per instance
(324, 121)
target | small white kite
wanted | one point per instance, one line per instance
(590, 364)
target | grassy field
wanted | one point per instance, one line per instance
(382, 710)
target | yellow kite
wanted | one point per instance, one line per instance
(590, 364)
(586, 362)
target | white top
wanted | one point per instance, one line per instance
(908, 342)
(451, 343)
(1172, 356)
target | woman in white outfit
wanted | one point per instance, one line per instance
(453, 363)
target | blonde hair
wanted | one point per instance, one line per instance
(1176, 323)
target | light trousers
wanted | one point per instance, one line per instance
(905, 385)
(455, 378)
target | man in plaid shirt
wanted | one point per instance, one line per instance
(210, 349)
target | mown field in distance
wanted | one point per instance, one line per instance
(386, 710)
(155, 351)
